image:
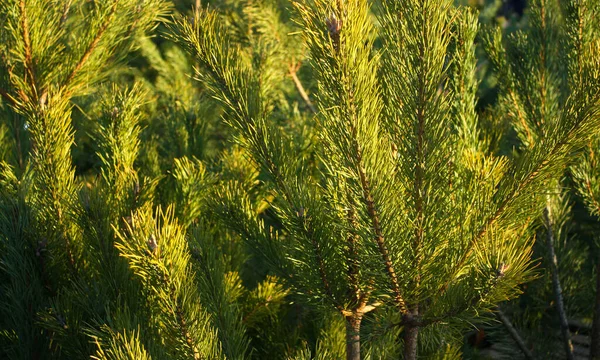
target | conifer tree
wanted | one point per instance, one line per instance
(55, 307)
(585, 67)
(544, 70)
(52, 53)
(405, 196)
(323, 188)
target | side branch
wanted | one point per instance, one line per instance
(381, 240)
(564, 324)
(504, 205)
(520, 116)
(92, 46)
(27, 43)
(65, 14)
(300, 88)
(322, 273)
(7, 97)
(183, 329)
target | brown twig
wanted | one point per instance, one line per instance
(293, 74)
(184, 331)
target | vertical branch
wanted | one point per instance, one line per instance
(353, 336)
(595, 344)
(520, 116)
(184, 331)
(420, 158)
(411, 337)
(564, 324)
(543, 65)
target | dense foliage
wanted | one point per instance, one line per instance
(279, 179)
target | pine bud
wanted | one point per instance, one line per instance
(334, 26)
(501, 270)
(152, 243)
(61, 321)
(136, 189)
(300, 212)
(42, 99)
(394, 150)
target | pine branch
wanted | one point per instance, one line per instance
(162, 262)
(112, 345)
(92, 46)
(183, 328)
(520, 116)
(420, 156)
(250, 124)
(579, 45)
(383, 250)
(349, 95)
(543, 66)
(321, 264)
(65, 14)
(64, 235)
(27, 42)
(531, 176)
(11, 77)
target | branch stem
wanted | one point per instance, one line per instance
(300, 88)
(411, 335)
(92, 46)
(27, 44)
(353, 336)
(595, 344)
(564, 324)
